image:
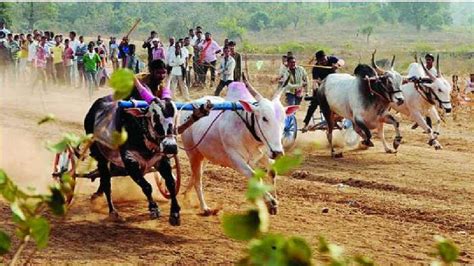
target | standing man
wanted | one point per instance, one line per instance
(148, 44)
(226, 70)
(3, 28)
(189, 60)
(295, 82)
(176, 61)
(192, 37)
(80, 51)
(208, 58)
(57, 54)
(91, 65)
(238, 61)
(114, 51)
(197, 51)
(123, 51)
(158, 51)
(324, 66)
(68, 57)
(169, 51)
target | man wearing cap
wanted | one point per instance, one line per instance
(208, 57)
(324, 66)
(148, 44)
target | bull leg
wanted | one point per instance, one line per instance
(242, 167)
(196, 175)
(165, 170)
(105, 187)
(434, 117)
(418, 117)
(133, 169)
(390, 119)
(368, 135)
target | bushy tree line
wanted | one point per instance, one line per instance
(232, 18)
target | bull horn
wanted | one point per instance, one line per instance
(437, 65)
(426, 70)
(278, 92)
(374, 65)
(251, 89)
(393, 62)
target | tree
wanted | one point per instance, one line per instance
(367, 31)
(431, 15)
(5, 12)
(259, 20)
(231, 28)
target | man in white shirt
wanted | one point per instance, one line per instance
(207, 57)
(176, 62)
(226, 71)
(169, 51)
(3, 27)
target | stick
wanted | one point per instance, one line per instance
(133, 27)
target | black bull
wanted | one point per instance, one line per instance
(150, 140)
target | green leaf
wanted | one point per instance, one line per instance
(16, 209)
(119, 138)
(241, 226)
(447, 250)
(122, 83)
(3, 177)
(56, 201)
(256, 189)
(364, 260)
(48, 118)
(323, 245)
(268, 250)
(286, 163)
(58, 147)
(298, 251)
(39, 231)
(5, 243)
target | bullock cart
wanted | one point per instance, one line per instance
(68, 161)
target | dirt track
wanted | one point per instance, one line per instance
(389, 206)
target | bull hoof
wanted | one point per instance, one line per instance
(96, 196)
(210, 212)
(273, 210)
(390, 151)
(155, 213)
(396, 142)
(438, 147)
(337, 155)
(116, 218)
(175, 220)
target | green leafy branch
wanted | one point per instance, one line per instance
(26, 212)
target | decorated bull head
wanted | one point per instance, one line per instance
(391, 80)
(161, 117)
(267, 117)
(439, 86)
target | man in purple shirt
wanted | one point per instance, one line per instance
(209, 49)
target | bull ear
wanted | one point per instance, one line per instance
(137, 112)
(248, 107)
(289, 110)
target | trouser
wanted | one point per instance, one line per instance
(178, 80)
(221, 85)
(208, 66)
(50, 69)
(69, 74)
(82, 73)
(91, 76)
(22, 67)
(292, 99)
(313, 105)
(41, 77)
(59, 68)
(115, 63)
(74, 72)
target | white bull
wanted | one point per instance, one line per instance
(237, 139)
(421, 97)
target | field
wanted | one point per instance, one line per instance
(386, 206)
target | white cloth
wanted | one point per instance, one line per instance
(227, 68)
(32, 50)
(175, 62)
(74, 44)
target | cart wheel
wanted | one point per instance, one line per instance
(65, 162)
(160, 182)
(289, 132)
